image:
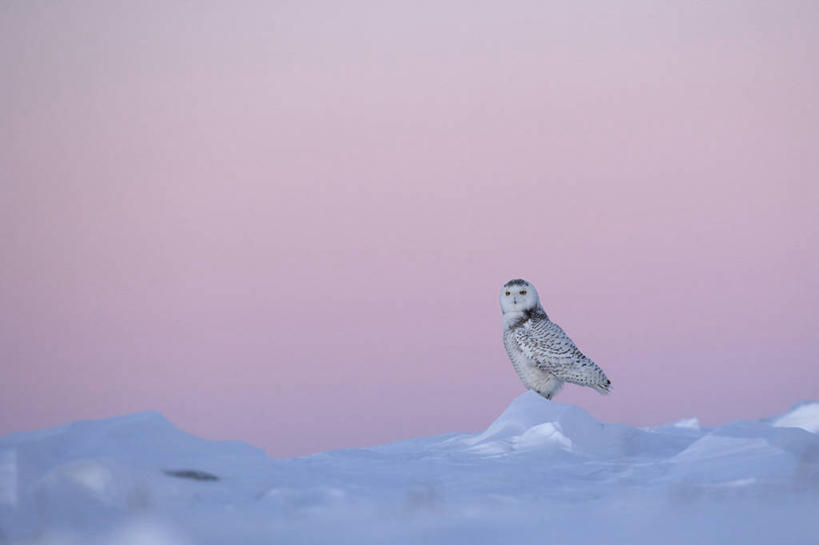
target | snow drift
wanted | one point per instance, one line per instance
(543, 472)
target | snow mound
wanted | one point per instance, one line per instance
(688, 423)
(528, 422)
(541, 468)
(805, 416)
(531, 421)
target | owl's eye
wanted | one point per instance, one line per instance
(523, 292)
(508, 293)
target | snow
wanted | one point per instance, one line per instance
(8, 477)
(691, 423)
(805, 416)
(542, 472)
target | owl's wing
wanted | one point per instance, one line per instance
(546, 344)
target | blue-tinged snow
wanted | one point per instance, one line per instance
(805, 416)
(543, 472)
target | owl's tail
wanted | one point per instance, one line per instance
(604, 386)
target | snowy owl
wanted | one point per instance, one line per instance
(543, 355)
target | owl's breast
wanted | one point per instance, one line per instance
(524, 367)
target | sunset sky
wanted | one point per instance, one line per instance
(289, 222)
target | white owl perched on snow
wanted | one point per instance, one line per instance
(541, 352)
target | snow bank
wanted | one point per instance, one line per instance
(805, 416)
(542, 472)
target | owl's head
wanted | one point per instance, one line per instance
(518, 296)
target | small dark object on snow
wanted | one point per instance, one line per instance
(194, 474)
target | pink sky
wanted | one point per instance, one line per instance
(288, 222)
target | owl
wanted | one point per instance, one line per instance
(543, 356)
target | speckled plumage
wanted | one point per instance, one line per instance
(543, 356)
